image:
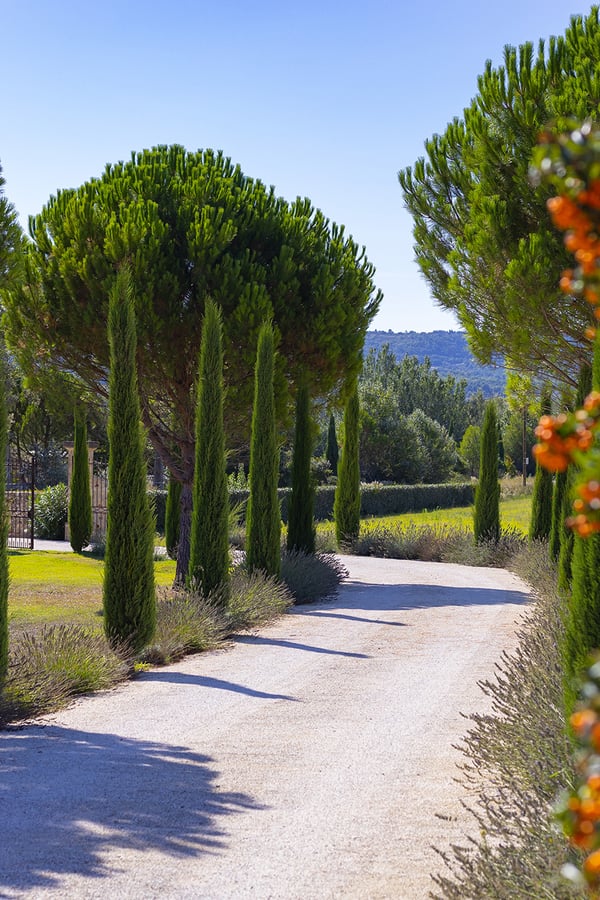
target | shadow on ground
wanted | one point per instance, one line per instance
(88, 793)
(362, 596)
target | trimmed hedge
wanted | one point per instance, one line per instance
(375, 499)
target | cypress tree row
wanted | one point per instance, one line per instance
(486, 524)
(80, 500)
(129, 594)
(172, 516)
(263, 517)
(301, 527)
(333, 451)
(209, 545)
(346, 504)
(4, 574)
(541, 501)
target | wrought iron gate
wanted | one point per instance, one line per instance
(20, 499)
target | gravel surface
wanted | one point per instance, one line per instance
(313, 759)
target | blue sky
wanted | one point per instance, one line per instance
(321, 99)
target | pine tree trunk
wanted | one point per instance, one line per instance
(172, 516)
(185, 529)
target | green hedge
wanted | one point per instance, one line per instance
(375, 499)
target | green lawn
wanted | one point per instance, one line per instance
(514, 513)
(48, 587)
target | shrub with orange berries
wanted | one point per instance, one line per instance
(572, 163)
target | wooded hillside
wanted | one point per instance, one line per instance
(449, 354)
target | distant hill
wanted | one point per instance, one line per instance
(449, 354)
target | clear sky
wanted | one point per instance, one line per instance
(321, 98)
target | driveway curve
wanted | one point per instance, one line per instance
(313, 759)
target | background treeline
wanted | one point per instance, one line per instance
(448, 352)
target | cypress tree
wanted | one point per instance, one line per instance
(558, 521)
(346, 505)
(583, 626)
(541, 501)
(333, 451)
(172, 516)
(567, 537)
(209, 546)
(486, 525)
(3, 540)
(301, 528)
(80, 500)
(263, 518)
(129, 594)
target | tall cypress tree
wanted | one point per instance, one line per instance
(582, 632)
(80, 500)
(129, 593)
(209, 548)
(3, 538)
(172, 516)
(486, 524)
(558, 521)
(567, 537)
(541, 501)
(346, 505)
(301, 526)
(263, 518)
(333, 451)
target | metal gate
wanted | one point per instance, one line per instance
(20, 499)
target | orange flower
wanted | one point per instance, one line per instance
(592, 864)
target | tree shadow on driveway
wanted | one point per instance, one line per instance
(371, 597)
(69, 797)
(209, 682)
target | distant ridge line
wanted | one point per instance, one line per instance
(449, 354)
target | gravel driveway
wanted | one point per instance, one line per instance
(311, 760)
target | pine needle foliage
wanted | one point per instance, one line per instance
(346, 505)
(333, 451)
(80, 500)
(486, 524)
(263, 519)
(172, 516)
(301, 526)
(209, 548)
(3, 542)
(541, 501)
(129, 593)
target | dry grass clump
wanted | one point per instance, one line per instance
(517, 761)
(439, 543)
(50, 666)
(254, 599)
(186, 622)
(312, 576)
